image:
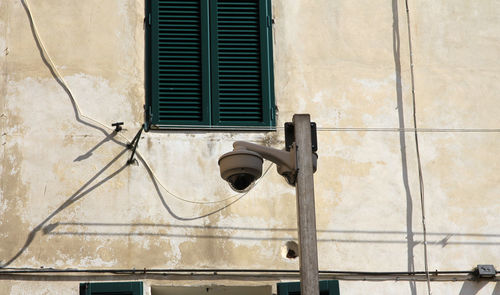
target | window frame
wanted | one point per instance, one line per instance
(209, 81)
(330, 286)
(126, 288)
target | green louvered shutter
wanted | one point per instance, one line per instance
(112, 288)
(179, 62)
(209, 64)
(241, 73)
(330, 287)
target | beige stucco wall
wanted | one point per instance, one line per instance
(67, 200)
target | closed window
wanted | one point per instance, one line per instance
(111, 288)
(211, 290)
(209, 64)
(325, 288)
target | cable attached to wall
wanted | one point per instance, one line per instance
(115, 127)
(420, 174)
(219, 273)
(54, 69)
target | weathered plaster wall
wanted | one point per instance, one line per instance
(67, 200)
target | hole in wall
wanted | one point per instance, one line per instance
(290, 250)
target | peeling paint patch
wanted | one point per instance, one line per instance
(374, 85)
(318, 98)
(13, 202)
(4, 51)
(3, 47)
(91, 92)
(91, 261)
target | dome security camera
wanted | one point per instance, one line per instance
(243, 165)
(240, 168)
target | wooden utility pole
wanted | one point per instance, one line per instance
(306, 216)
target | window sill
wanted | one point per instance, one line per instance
(160, 128)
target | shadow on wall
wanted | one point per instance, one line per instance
(496, 291)
(255, 233)
(80, 193)
(472, 288)
(82, 119)
(87, 187)
(396, 45)
(167, 207)
(89, 153)
(91, 184)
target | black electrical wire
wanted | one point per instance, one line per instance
(6, 271)
(417, 149)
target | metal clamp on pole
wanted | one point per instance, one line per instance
(290, 136)
(133, 145)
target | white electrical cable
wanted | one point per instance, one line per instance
(232, 202)
(54, 68)
(58, 75)
(199, 202)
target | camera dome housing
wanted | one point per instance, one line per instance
(240, 168)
